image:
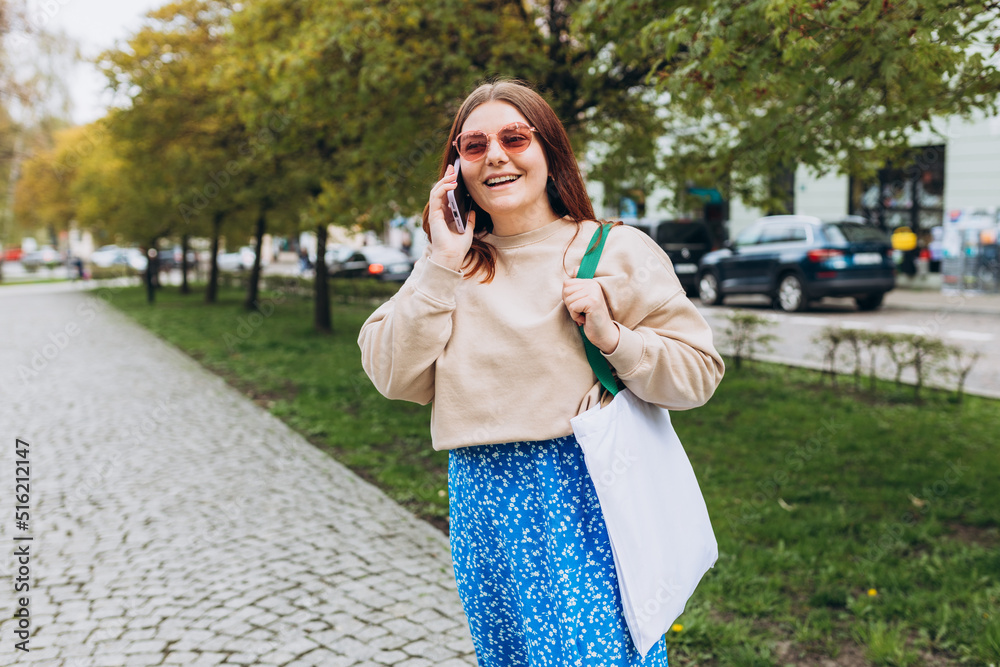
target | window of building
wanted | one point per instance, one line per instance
(908, 196)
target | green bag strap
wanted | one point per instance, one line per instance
(601, 366)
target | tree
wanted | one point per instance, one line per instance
(371, 88)
(182, 115)
(124, 191)
(33, 97)
(755, 88)
(43, 196)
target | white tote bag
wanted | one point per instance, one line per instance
(658, 525)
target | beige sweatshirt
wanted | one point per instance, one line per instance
(504, 362)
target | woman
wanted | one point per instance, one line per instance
(486, 327)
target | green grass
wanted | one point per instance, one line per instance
(31, 281)
(817, 495)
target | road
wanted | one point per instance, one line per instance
(795, 332)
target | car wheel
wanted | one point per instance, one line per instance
(791, 295)
(708, 289)
(869, 301)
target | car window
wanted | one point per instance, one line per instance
(834, 235)
(774, 234)
(748, 236)
(855, 233)
(783, 234)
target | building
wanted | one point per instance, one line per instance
(949, 174)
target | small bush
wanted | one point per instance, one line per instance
(830, 339)
(959, 364)
(926, 355)
(745, 336)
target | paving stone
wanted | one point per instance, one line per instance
(147, 646)
(370, 632)
(143, 660)
(178, 523)
(390, 657)
(462, 646)
(457, 662)
(389, 641)
(415, 662)
(425, 649)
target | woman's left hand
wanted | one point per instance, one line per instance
(587, 306)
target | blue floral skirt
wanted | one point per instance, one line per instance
(532, 559)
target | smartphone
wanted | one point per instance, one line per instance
(456, 216)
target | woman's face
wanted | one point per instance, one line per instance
(522, 197)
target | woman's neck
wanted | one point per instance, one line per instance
(519, 222)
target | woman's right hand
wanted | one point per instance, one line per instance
(448, 247)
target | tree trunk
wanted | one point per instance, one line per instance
(322, 321)
(212, 291)
(782, 187)
(185, 287)
(152, 266)
(253, 288)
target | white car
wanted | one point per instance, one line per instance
(241, 260)
(135, 258)
(112, 255)
(105, 256)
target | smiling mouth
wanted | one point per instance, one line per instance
(500, 180)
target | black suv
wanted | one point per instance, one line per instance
(685, 242)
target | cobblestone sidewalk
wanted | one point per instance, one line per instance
(175, 523)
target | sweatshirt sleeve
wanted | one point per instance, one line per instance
(403, 338)
(665, 353)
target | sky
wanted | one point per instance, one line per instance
(96, 25)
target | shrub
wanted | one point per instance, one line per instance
(830, 339)
(959, 364)
(924, 353)
(745, 336)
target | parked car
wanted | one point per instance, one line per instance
(337, 254)
(241, 260)
(112, 255)
(170, 258)
(44, 256)
(796, 259)
(105, 256)
(685, 242)
(382, 262)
